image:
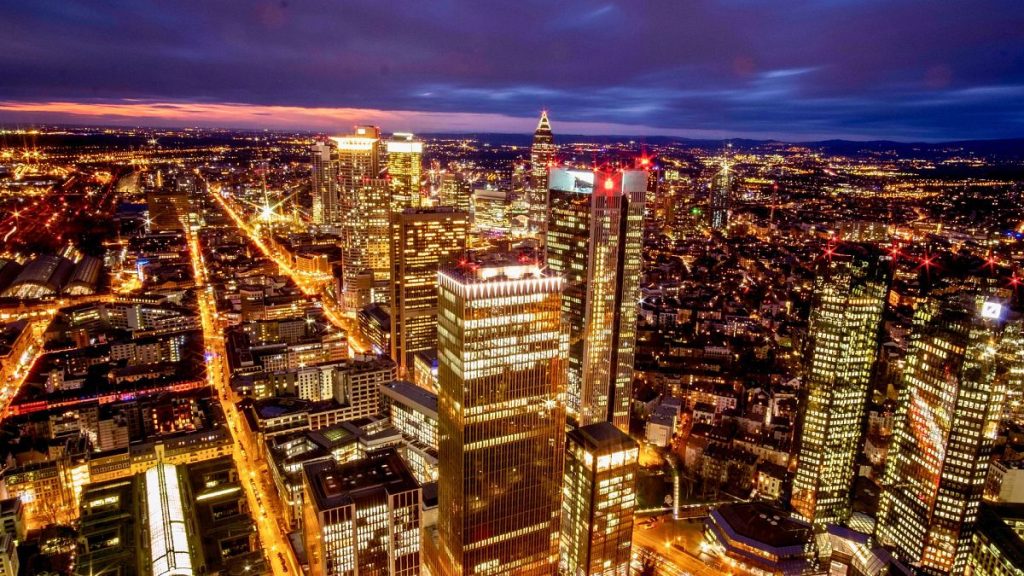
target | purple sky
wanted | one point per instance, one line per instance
(792, 69)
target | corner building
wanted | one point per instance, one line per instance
(502, 360)
(595, 241)
(362, 517)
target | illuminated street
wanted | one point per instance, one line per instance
(272, 536)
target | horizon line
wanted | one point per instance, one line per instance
(152, 114)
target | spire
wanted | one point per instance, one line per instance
(544, 125)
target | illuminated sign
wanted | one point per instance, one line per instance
(991, 310)
(572, 181)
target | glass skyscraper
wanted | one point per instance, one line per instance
(595, 241)
(405, 169)
(424, 239)
(598, 501)
(501, 379)
(325, 182)
(364, 212)
(849, 297)
(946, 430)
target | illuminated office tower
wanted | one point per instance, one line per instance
(363, 213)
(594, 241)
(326, 198)
(849, 297)
(424, 239)
(946, 429)
(455, 192)
(721, 197)
(542, 158)
(501, 417)
(1012, 359)
(362, 517)
(599, 499)
(405, 169)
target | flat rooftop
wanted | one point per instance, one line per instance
(765, 524)
(411, 395)
(602, 438)
(335, 485)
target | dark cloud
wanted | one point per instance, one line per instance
(907, 69)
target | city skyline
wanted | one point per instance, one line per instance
(920, 71)
(512, 289)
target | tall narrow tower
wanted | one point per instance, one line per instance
(947, 424)
(501, 417)
(363, 212)
(326, 195)
(542, 158)
(849, 297)
(594, 241)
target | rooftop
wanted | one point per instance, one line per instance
(602, 438)
(335, 485)
(764, 524)
(411, 395)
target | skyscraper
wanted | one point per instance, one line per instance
(542, 158)
(325, 182)
(721, 197)
(424, 239)
(502, 350)
(405, 169)
(455, 192)
(849, 297)
(594, 241)
(947, 424)
(363, 212)
(599, 500)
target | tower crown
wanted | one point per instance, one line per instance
(544, 125)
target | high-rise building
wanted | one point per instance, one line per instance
(405, 170)
(424, 239)
(455, 192)
(502, 350)
(362, 517)
(849, 297)
(721, 197)
(594, 241)
(946, 430)
(542, 158)
(599, 499)
(363, 213)
(326, 197)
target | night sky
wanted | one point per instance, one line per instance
(790, 69)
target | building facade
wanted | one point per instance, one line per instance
(362, 517)
(594, 240)
(424, 239)
(599, 499)
(849, 297)
(946, 431)
(363, 212)
(326, 197)
(405, 170)
(502, 351)
(542, 159)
